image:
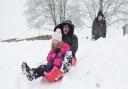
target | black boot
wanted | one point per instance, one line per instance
(27, 71)
(67, 62)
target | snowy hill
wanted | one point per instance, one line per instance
(102, 64)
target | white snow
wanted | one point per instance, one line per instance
(101, 64)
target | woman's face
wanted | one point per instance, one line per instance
(65, 29)
(100, 18)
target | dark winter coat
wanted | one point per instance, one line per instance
(99, 27)
(70, 38)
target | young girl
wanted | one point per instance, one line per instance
(54, 58)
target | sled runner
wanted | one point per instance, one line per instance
(74, 61)
(54, 75)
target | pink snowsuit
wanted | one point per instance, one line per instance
(59, 57)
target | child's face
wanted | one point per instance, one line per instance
(55, 43)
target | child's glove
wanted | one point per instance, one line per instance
(53, 55)
(57, 50)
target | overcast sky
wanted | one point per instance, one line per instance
(12, 21)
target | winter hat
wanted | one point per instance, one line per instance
(57, 35)
(70, 25)
(68, 22)
(100, 13)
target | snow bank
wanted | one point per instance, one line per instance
(101, 64)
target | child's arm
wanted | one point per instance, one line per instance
(51, 55)
(64, 49)
(61, 54)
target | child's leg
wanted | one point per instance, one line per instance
(34, 73)
(67, 62)
(39, 71)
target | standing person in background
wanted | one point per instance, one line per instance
(99, 26)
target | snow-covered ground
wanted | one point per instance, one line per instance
(102, 64)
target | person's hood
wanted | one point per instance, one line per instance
(66, 22)
(100, 13)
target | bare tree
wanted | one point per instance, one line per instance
(113, 9)
(75, 13)
(61, 6)
(52, 10)
(39, 12)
